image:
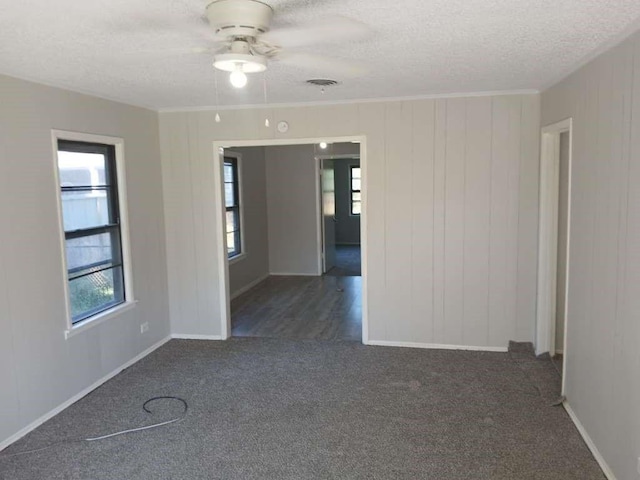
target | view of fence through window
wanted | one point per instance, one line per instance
(91, 225)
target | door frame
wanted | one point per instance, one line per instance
(319, 159)
(548, 238)
(221, 251)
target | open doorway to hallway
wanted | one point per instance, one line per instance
(277, 210)
(554, 244)
(341, 190)
(557, 349)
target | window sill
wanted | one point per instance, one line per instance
(237, 258)
(100, 318)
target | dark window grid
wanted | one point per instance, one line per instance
(236, 232)
(236, 219)
(95, 311)
(100, 266)
(91, 231)
(235, 203)
(233, 163)
(96, 267)
(235, 208)
(87, 188)
(111, 188)
(351, 178)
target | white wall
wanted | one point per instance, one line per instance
(293, 206)
(452, 219)
(254, 264)
(39, 369)
(603, 358)
(292, 209)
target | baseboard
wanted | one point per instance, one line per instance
(587, 439)
(559, 352)
(188, 336)
(298, 274)
(249, 286)
(52, 413)
(435, 346)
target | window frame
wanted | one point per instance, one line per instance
(352, 191)
(119, 199)
(236, 158)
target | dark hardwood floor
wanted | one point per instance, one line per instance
(321, 308)
(347, 261)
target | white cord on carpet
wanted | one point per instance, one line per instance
(115, 434)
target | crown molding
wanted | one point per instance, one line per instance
(349, 102)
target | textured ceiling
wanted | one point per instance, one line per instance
(142, 51)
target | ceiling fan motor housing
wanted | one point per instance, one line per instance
(239, 18)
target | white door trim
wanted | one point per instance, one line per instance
(548, 238)
(223, 262)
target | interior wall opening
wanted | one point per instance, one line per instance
(554, 243)
(292, 228)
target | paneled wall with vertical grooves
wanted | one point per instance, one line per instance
(452, 188)
(603, 319)
(40, 369)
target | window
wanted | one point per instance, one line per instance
(232, 204)
(356, 197)
(92, 227)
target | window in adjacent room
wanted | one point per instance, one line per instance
(97, 273)
(232, 204)
(355, 190)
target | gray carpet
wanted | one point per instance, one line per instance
(263, 408)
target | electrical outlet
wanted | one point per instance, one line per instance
(144, 327)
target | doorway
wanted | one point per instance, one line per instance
(280, 285)
(340, 179)
(554, 242)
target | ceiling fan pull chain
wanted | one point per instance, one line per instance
(215, 81)
(264, 88)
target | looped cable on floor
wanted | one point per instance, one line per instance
(147, 427)
(115, 434)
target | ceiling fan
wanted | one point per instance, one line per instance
(247, 43)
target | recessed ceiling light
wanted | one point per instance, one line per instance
(323, 145)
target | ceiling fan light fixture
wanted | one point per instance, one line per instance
(238, 78)
(228, 62)
(239, 64)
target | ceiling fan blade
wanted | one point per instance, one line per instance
(322, 65)
(172, 52)
(145, 24)
(284, 7)
(330, 30)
